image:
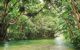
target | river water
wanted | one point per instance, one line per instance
(59, 45)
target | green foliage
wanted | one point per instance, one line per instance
(78, 8)
(21, 27)
(54, 17)
(71, 32)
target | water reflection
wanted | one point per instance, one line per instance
(59, 45)
(6, 45)
(59, 40)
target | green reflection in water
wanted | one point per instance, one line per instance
(44, 44)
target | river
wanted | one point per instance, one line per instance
(56, 44)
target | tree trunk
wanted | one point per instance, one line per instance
(76, 13)
(3, 31)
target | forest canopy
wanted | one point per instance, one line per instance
(40, 19)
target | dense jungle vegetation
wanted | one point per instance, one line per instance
(40, 19)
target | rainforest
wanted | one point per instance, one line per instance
(39, 24)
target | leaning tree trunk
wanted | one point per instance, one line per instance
(3, 30)
(3, 21)
(75, 12)
(3, 25)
